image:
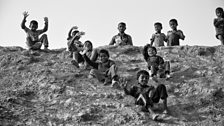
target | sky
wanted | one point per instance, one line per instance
(99, 20)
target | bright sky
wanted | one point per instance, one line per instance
(99, 19)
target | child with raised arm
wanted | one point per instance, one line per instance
(158, 38)
(219, 24)
(105, 70)
(32, 40)
(174, 35)
(90, 52)
(74, 45)
(147, 95)
(155, 63)
(121, 38)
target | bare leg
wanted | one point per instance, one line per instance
(44, 40)
(221, 38)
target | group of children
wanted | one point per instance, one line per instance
(105, 70)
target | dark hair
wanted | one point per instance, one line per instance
(105, 52)
(122, 23)
(218, 9)
(145, 51)
(159, 24)
(87, 41)
(75, 32)
(144, 72)
(174, 21)
(70, 36)
(34, 22)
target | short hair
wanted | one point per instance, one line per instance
(144, 72)
(174, 21)
(158, 24)
(145, 50)
(218, 9)
(122, 23)
(105, 52)
(34, 22)
(75, 32)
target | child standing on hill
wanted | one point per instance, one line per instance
(219, 24)
(32, 40)
(156, 63)
(121, 38)
(105, 70)
(174, 35)
(158, 38)
(147, 95)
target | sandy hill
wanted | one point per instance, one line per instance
(44, 89)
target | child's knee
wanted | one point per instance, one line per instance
(220, 37)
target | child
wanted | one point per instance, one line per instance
(156, 63)
(32, 40)
(174, 35)
(146, 95)
(91, 53)
(158, 38)
(105, 70)
(121, 38)
(219, 24)
(74, 45)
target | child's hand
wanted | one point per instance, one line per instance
(75, 27)
(45, 19)
(25, 14)
(81, 33)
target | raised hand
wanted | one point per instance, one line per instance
(75, 27)
(25, 14)
(45, 19)
(80, 34)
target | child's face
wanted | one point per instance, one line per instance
(103, 57)
(158, 28)
(219, 13)
(88, 46)
(151, 52)
(143, 79)
(121, 28)
(173, 25)
(33, 27)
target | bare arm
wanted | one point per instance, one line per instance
(112, 41)
(23, 26)
(91, 63)
(94, 55)
(152, 39)
(217, 22)
(181, 35)
(70, 31)
(45, 25)
(130, 40)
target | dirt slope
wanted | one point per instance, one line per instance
(45, 89)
